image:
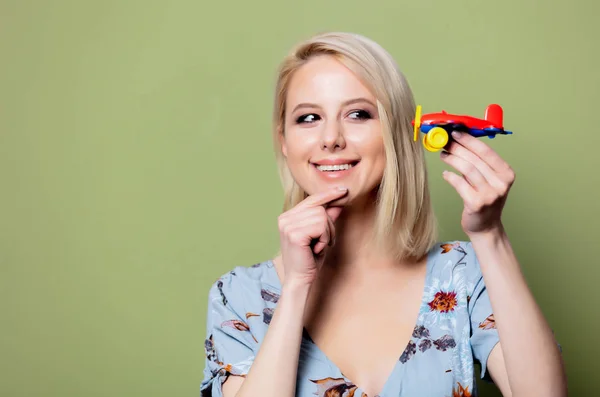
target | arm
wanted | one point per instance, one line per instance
(273, 369)
(273, 373)
(497, 370)
(527, 361)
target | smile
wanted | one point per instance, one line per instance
(337, 167)
(330, 171)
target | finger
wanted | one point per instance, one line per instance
(482, 150)
(295, 215)
(308, 228)
(324, 240)
(332, 214)
(319, 247)
(318, 199)
(464, 189)
(328, 236)
(304, 219)
(461, 151)
(322, 198)
(501, 181)
(308, 235)
(467, 169)
(322, 235)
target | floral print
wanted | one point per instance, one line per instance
(267, 315)
(211, 355)
(239, 325)
(410, 351)
(449, 247)
(420, 332)
(425, 345)
(209, 349)
(334, 387)
(269, 296)
(444, 343)
(455, 328)
(220, 287)
(443, 302)
(461, 391)
(488, 323)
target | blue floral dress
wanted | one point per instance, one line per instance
(455, 329)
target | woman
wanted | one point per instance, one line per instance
(361, 300)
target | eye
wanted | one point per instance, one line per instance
(307, 118)
(360, 115)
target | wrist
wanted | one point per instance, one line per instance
(492, 247)
(490, 236)
(296, 287)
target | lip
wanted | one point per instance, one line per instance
(335, 162)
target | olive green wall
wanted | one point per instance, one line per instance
(136, 167)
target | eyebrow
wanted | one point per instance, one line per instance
(345, 103)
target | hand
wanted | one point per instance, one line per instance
(305, 231)
(484, 185)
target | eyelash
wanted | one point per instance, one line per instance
(365, 116)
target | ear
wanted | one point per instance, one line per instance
(281, 137)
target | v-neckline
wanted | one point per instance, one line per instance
(306, 336)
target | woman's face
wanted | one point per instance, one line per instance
(332, 130)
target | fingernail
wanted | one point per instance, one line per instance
(444, 154)
(342, 188)
(456, 134)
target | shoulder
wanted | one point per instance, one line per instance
(455, 249)
(242, 282)
(455, 259)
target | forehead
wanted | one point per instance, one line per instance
(325, 80)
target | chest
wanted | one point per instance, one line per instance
(363, 326)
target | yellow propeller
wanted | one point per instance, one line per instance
(417, 121)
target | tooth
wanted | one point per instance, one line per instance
(337, 167)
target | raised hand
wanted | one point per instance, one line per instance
(305, 231)
(484, 185)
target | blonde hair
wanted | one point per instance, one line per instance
(405, 224)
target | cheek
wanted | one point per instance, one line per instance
(379, 153)
(367, 136)
(375, 149)
(370, 145)
(300, 145)
(299, 150)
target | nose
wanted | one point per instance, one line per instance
(332, 137)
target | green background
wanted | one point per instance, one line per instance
(136, 167)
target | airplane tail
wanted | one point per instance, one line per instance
(494, 114)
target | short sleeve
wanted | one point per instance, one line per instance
(229, 342)
(484, 335)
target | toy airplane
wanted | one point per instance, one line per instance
(438, 126)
